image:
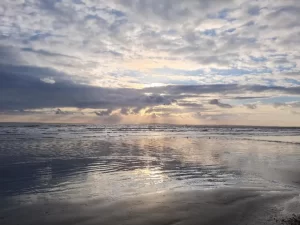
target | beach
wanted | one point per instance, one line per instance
(149, 112)
(88, 175)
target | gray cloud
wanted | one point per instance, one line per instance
(9, 55)
(218, 103)
(223, 88)
(248, 97)
(172, 11)
(60, 112)
(137, 110)
(189, 104)
(251, 106)
(20, 90)
(46, 53)
(23, 90)
(125, 111)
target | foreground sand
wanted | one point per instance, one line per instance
(222, 206)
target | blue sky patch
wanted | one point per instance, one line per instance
(211, 32)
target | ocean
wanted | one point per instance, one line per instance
(41, 163)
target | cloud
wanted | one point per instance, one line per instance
(287, 105)
(32, 72)
(251, 106)
(48, 80)
(45, 53)
(198, 115)
(24, 89)
(218, 103)
(111, 55)
(153, 116)
(171, 11)
(223, 88)
(104, 113)
(9, 55)
(125, 111)
(60, 112)
(190, 104)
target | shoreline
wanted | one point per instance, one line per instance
(3, 123)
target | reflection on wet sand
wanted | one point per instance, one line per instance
(99, 181)
(172, 162)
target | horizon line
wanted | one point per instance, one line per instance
(151, 124)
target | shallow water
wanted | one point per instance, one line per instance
(83, 162)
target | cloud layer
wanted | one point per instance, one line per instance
(208, 61)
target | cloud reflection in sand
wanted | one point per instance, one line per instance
(61, 169)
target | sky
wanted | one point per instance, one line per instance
(216, 62)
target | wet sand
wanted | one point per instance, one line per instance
(219, 206)
(163, 178)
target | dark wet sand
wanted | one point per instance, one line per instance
(222, 206)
